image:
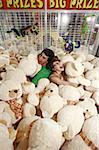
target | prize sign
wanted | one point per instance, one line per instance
(50, 4)
(22, 4)
(73, 4)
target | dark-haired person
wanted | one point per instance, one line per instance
(57, 75)
(45, 59)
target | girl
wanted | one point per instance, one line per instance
(58, 75)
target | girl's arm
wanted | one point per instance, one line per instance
(58, 81)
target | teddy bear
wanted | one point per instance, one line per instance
(16, 75)
(76, 143)
(42, 84)
(29, 65)
(10, 89)
(79, 80)
(51, 102)
(10, 92)
(80, 55)
(67, 58)
(87, 138)
(41, 136)
(7, 131)
(23, 131)
(71, 119)
(93, 76)
(29, 90)
(65, 92)
(5, 142)
(90, 131)
(88, 105)
(74, 69)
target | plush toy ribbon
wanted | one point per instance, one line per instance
(16, 108)
(88, 142)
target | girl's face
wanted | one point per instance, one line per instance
(58, 66)
(42, 59)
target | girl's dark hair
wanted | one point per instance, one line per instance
(48, 52)
(55, 58)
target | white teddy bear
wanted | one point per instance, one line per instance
(67, 58)
(29, 65)
(42, 84)
(10, 89)
(76, 143)
(79, 56)
(89, 107)
(51, 102)
(29, 89)
(91, 131)
(16, 75)
(92, 74)
(74, 69)
(71, 119)
(79, 80)
(23, 130)
(5, 142)
(77, 93)
(45, 134)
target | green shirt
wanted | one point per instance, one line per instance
(43, 73)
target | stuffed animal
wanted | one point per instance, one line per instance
(5, 142)
(41, 136)
(10, 90)
(29, 89)
(34, 29)
(29, 65)
(71, 119)
(23, 131)
(74, 69)
(51, 102)
(77, 93)
(16, 75)
(90, 131)
(76, 143)
(89, 107)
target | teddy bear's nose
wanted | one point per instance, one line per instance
(15, 91)
(81, 99)
(4, 69)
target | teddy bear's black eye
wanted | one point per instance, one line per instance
(87, 110)
(84, 114)
(4, 69)
(51, 90)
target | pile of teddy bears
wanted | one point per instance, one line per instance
(48, 117)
